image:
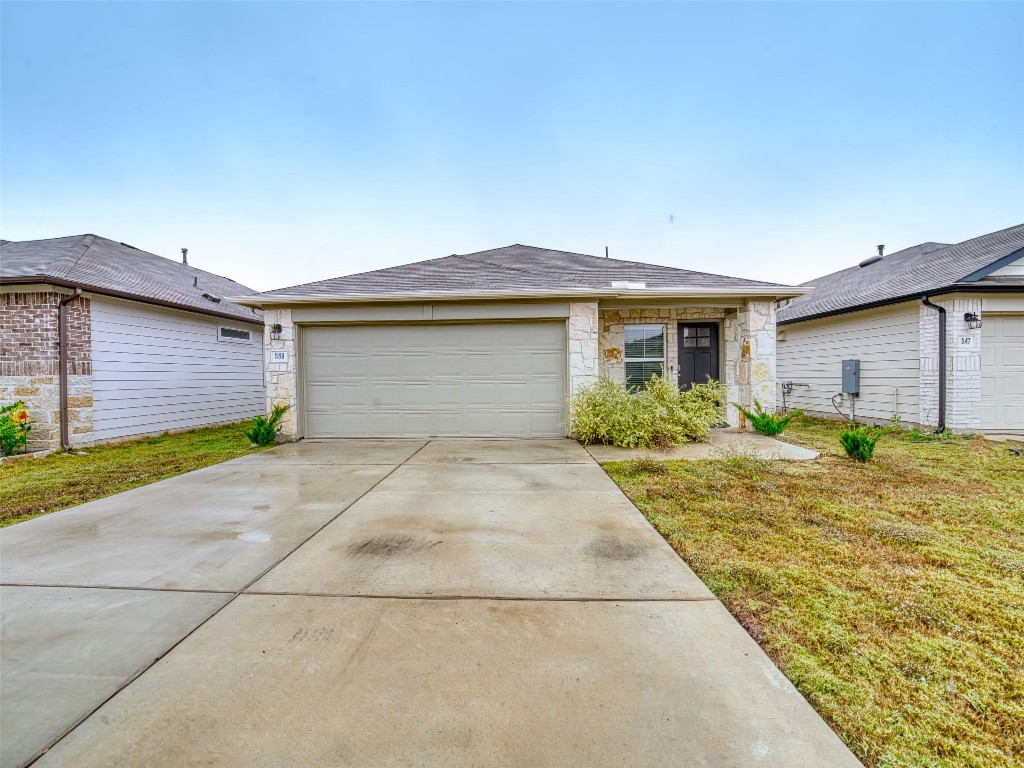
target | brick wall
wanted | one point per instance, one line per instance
(963, 366)
(29, 363)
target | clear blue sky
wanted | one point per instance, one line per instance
(288, 142)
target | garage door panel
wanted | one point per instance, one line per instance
(414, 366)
(322, 366)
(446, 363)
(322, 396)
(547, 364)
(549, 393)
(489, 379)
(1014, 358)
(1014, 385)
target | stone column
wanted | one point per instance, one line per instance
(733, 341)
(750, 359)
(583, 344)
(761, 333)
(281, 379)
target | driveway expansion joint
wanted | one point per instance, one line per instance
(234, 595)
(506, 598)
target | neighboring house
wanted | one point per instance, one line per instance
(875, 313)
(493, 343)
(104, 342)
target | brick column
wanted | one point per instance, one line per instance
(963, 366)
(29, 364)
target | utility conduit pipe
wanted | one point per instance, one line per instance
(63, 353)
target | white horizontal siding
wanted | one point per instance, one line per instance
(886, 341)
(156, 370)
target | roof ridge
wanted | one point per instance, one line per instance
(81, 256)
(490, 263)
(603, 259)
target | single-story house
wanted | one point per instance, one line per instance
(493, 343)
(938, 331)
(104, 342)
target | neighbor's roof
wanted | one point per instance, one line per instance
(925, 269)
(103, 266)
(517, 270)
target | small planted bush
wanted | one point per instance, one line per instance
(265, 429)
(14, 427)
(765, 422)
(657, 416)
(859, 442)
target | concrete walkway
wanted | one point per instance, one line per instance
(724, 443)
(396, 602)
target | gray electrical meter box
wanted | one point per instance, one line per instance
(851, 377)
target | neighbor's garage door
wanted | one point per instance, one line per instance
(486, 379)
(1002, 372)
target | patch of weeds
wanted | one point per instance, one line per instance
(901, 533)
(645, 465)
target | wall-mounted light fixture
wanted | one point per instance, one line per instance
(275, 331)
(972, 320)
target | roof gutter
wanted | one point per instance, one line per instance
(942, 362)
(62, 361)
(49, 280)
(768, 292)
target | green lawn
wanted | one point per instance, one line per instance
(33, 487)
(891, 593)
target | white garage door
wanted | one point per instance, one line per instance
(481, 379)
(1002, 372)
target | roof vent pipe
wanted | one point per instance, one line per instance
(881, 250)
(184, 256)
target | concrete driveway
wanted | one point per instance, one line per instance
(443, 602)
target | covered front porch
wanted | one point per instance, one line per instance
(732, 341)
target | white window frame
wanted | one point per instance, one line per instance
(664, 349)
(229, 339)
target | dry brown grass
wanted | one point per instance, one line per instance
(891, 593)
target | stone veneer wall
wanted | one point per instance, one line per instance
(29, 364)
(282, 381)
(583, 345)
(963, 366)
(747, 341)
(613, 335)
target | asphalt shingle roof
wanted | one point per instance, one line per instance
(101, 265)
(916, 271)
(514, 268)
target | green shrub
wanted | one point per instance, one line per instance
(264, 429)
(859, 442)
(767, 423)
(14, 427)
(657, 416)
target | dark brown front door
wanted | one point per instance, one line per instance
(698, 353)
